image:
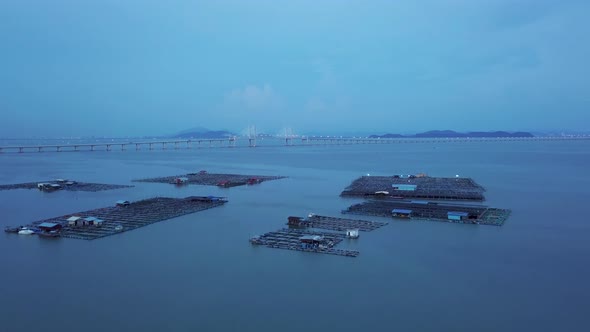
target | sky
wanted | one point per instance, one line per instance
(142, 67)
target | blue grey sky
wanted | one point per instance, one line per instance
(119, 68)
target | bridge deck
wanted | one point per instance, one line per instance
(251, 142)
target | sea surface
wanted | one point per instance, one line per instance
(199, 272)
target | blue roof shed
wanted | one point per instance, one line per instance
(454, 215)
(49, 226)
(404, 187)
(458, 213)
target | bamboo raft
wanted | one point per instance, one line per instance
(333, 223)
(132, 216)
(431, 211)
(212, 179)
(290, 239)
(426, 188)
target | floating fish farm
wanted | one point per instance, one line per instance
(303, 234)
(126, 216)
(415, 186)
(423, 210)
(333, 223)
(211, 179)
(304, 240)
(55, 185)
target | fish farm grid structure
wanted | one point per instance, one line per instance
(333, 223)
(211, 179)
(435, 211)
(98, 223)
(421, 187)
(304, 240)
(49, 186)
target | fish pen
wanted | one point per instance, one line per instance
(421, 187)
(333, 223)
(212, 179)
(422, 210)
(304, 240)
(55, 185)
(98, 223)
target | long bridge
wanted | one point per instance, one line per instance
(251, 142)
(109, 146)
(364, 140)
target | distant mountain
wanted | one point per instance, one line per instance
(387, 136)
(440, 133)
(500, 134)
(193, 130)
(454, 134)
(200, 132)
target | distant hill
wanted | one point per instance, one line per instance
(200, 132)
(453, 134)
(387, 136)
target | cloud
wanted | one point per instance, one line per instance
(250, 105)
(327, 105)
(329, 95)
(252, 98)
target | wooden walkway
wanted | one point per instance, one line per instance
(431, 211)
(426, 188)
(213, 179)
(336, 224)
(137, 214)
(289, 239)
(77, 186)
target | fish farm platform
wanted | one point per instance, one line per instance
(50, 186)
(211, 179)
(421, 187)
(333, 223)
(117, 219)
(421, 210)
(304, 240)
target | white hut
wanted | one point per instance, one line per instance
(88, 221)
(73, 220)
(352, 233)
(181, 180)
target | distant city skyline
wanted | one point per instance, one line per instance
(137, 68)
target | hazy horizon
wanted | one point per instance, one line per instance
(142, 68)
(280, 133)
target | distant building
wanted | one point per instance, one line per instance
(48, 186)
(457, 216)
(73, 221)
(49, 226)
(403, 187)
(352, 233)
(401, 213)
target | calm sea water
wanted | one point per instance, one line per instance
(199, 272)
